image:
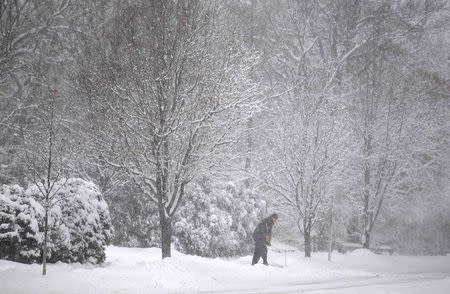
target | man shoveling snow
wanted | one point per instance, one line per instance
(262, 236)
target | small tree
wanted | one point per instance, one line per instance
(44, 157)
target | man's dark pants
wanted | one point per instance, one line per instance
(260, 251)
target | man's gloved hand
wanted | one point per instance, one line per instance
(268, 243)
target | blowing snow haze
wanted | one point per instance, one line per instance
(162, 135)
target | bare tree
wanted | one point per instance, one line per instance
(45, 136)
(44, 156)
(307, 140)
(23, 26)
(383, 104)
(302, 169)
(167, 84)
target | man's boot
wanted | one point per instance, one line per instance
(255, 258)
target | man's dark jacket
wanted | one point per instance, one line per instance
(263, 231)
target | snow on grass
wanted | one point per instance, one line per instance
(141, 270)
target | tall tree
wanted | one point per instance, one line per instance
(382, 105)
(23, 26)
(307, 136)
(167, 81)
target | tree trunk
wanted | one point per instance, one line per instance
(367, 214)
(44, 249)
(248, 160)
(366, 239)
(166, 232)
(307, 236)
(330, 241)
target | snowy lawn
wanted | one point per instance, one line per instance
(137, 270)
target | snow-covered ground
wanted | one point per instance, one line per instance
(136, 270)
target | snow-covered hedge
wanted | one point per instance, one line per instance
(79, 223)
(20, 219)
(217, 220)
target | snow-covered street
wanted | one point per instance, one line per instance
(433, 283)
(136, 270)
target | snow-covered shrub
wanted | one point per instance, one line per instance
(79, 223)
(216, 220)
(134, 217)
(30, 223)
(20, 230)
(9, 236)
